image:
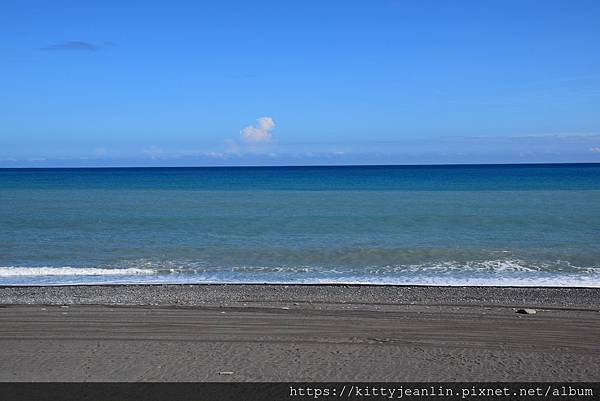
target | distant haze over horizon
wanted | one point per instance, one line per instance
(267, 83)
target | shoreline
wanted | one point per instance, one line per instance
(298, 333)
(201, 294)
(290, 284)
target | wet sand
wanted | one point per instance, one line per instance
(298, 333)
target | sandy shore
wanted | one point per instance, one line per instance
(298, 333)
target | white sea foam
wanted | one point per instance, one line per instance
(592, 280)
(534, 281)
(14, 271)
(514, 273)
(484, 266)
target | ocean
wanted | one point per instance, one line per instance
(501, 225)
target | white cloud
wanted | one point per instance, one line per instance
(154, 152)
(216, 155)
(595, 150)
(260, 133)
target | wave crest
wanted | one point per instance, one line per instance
(14, 271)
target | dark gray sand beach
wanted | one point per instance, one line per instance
(298, 333)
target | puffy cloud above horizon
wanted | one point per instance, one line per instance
(259, 133)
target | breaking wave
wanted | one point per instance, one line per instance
(14, 271)
(450, 273)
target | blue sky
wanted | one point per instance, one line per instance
(104, 83)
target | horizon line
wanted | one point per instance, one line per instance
(302, 165)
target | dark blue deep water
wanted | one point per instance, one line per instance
(441, 225)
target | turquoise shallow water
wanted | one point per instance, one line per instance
(441, 225)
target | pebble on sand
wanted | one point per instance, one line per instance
(526, 311)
